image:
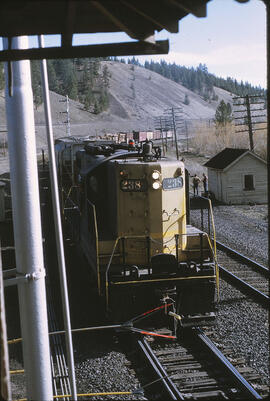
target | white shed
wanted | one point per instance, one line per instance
(237, 176)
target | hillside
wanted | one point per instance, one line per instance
(136, 94)
(142, 94)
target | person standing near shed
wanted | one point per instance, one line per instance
(196, 181)
(205, 184)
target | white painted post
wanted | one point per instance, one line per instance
(27, 225)
(57, 223)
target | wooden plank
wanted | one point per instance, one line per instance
(103, 50)
(66, 37)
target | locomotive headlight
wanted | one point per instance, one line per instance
(155, 175)
(156, 185)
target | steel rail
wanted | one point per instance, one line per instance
(251, 394)
(60, 373)
(170, 388)
(264, 270)
(60, 377)
(243, 285)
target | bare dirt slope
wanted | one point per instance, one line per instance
(142, 94)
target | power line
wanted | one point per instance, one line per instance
(248, 117)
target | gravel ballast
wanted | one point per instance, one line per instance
(241, 322)
(243, 325)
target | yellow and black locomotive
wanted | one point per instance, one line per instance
(125, 207)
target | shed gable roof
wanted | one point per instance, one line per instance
(224, 158)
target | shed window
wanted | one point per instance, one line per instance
(248, 182)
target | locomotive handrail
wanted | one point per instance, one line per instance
(68, 198)
(215, 246)
(216, 265)
(210, 240)
(152, 280)
(110, 261)
(97, 248)
(68, 195)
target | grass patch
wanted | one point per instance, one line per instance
(212, 140)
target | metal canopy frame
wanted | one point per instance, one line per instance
(139, 19)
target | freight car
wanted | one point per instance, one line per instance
(139, 136)
(125, 207)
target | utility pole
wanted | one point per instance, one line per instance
(249, 124)
(4, 142)
(174, 114)
(187, 138)
(67, 122)
(175, 137)
(247, 117)
(158, 126)
(164, 124)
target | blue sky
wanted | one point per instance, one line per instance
(231, 41)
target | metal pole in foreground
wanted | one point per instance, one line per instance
(57, 222)
(27, 225)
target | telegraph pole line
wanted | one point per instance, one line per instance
(162, 139)
(187, 138)
(249, 122)
(4, 141)
(246, 106)
(68, 119)
(67, 122)
(160, 124)
(174, 115)
(175, 137)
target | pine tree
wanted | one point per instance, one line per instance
(36, 82)
(96, 107)
(103, 101)
(95, 67)
(106, 76)
(88, 99)
(186, 101)
(223, 113)
(52, 77)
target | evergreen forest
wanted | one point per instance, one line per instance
(84, 80)
(199, 80)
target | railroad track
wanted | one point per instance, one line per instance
(60, 377)
(246, 274)
(195, 369)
